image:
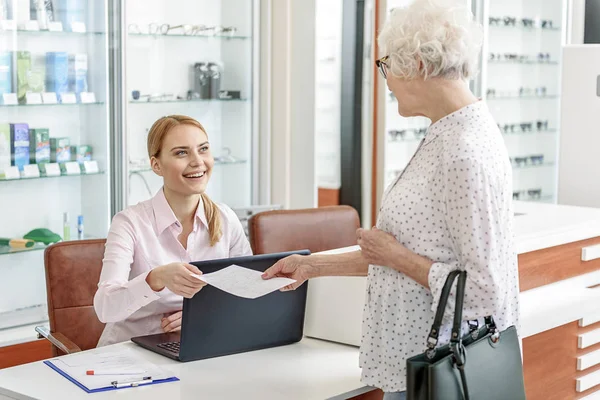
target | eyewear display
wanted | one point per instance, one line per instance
(418, 133)
(523, 161)
(541, 125)
(525, 22)
(534, 194)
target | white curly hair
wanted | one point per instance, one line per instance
(440, 34)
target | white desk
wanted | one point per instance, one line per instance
(310, 369)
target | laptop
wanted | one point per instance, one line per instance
(215, 323)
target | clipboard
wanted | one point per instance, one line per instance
(71, 367)
(107, 388)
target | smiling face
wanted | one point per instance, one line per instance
(184, 160)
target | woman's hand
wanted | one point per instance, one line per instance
(294, 267)
(378, 247)
(172, 323)
(177, 277)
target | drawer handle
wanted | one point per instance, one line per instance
(590, 253)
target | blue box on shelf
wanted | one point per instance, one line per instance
(57, 72)
(19, 145)
(6, 77)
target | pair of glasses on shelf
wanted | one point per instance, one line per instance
(534, 159)
(185, 29)
(401, 134)
(543, 57)
(539, 91)
(509, 57)
(541, 125)
(532, 193)
(523, 91)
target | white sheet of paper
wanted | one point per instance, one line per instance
(243, 282)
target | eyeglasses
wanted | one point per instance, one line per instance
(382, 66)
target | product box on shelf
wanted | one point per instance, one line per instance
(81, 153)
(5, 72)
(57, 72)
(60, 150)
(69, 11)
(19, 145)
(43, 12)
(5, 158)
(23, 74)
(37, 81)
(39, 145)
(78, 67)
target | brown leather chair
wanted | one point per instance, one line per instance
(315, 229)
(72, 274)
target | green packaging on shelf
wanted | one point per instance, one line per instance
(60, 150)
(4, 147)
(23, 74)
(37, 76)
(81, 153)
(42, 235)
(19, 145)
(39, 145)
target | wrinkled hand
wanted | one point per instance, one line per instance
(294, 267)
(177, 277)
(378, 247)
(172, 323)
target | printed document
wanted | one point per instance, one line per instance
(243, 282)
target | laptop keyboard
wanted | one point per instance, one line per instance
(172, 347)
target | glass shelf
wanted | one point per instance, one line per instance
(25, 32)
(516, 97)
(181, 35)
(52, 105)
(524, 28)
(4, 250)
(148, 169)
(545, 132)
(532, 166)
(411, 140)
(523, 62)
(49, 177)
(187, 101)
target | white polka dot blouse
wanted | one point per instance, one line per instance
(453, 205)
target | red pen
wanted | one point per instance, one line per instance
(112, 372)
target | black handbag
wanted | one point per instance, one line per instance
(482, 365)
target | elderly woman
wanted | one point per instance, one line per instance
(451, 208)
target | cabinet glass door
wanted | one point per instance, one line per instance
(54, 152)
(521, 84)
(196, 58)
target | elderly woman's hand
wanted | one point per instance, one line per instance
(378, 247)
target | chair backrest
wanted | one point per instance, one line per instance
(315, 229)
(72, 275)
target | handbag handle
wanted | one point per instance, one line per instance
(432, 339)
(434, 334)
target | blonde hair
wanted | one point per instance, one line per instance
(156, 137)
(440, 35)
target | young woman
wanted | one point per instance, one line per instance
(146, 271)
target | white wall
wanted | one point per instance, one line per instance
(579, 165)
(291, 121)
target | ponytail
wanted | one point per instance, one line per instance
(213, 216)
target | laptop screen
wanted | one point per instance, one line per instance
(216, 323)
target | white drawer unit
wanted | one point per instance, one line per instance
(590, 253)
(589, 320)
(588, 360)
(589, 338)
(588, 381)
